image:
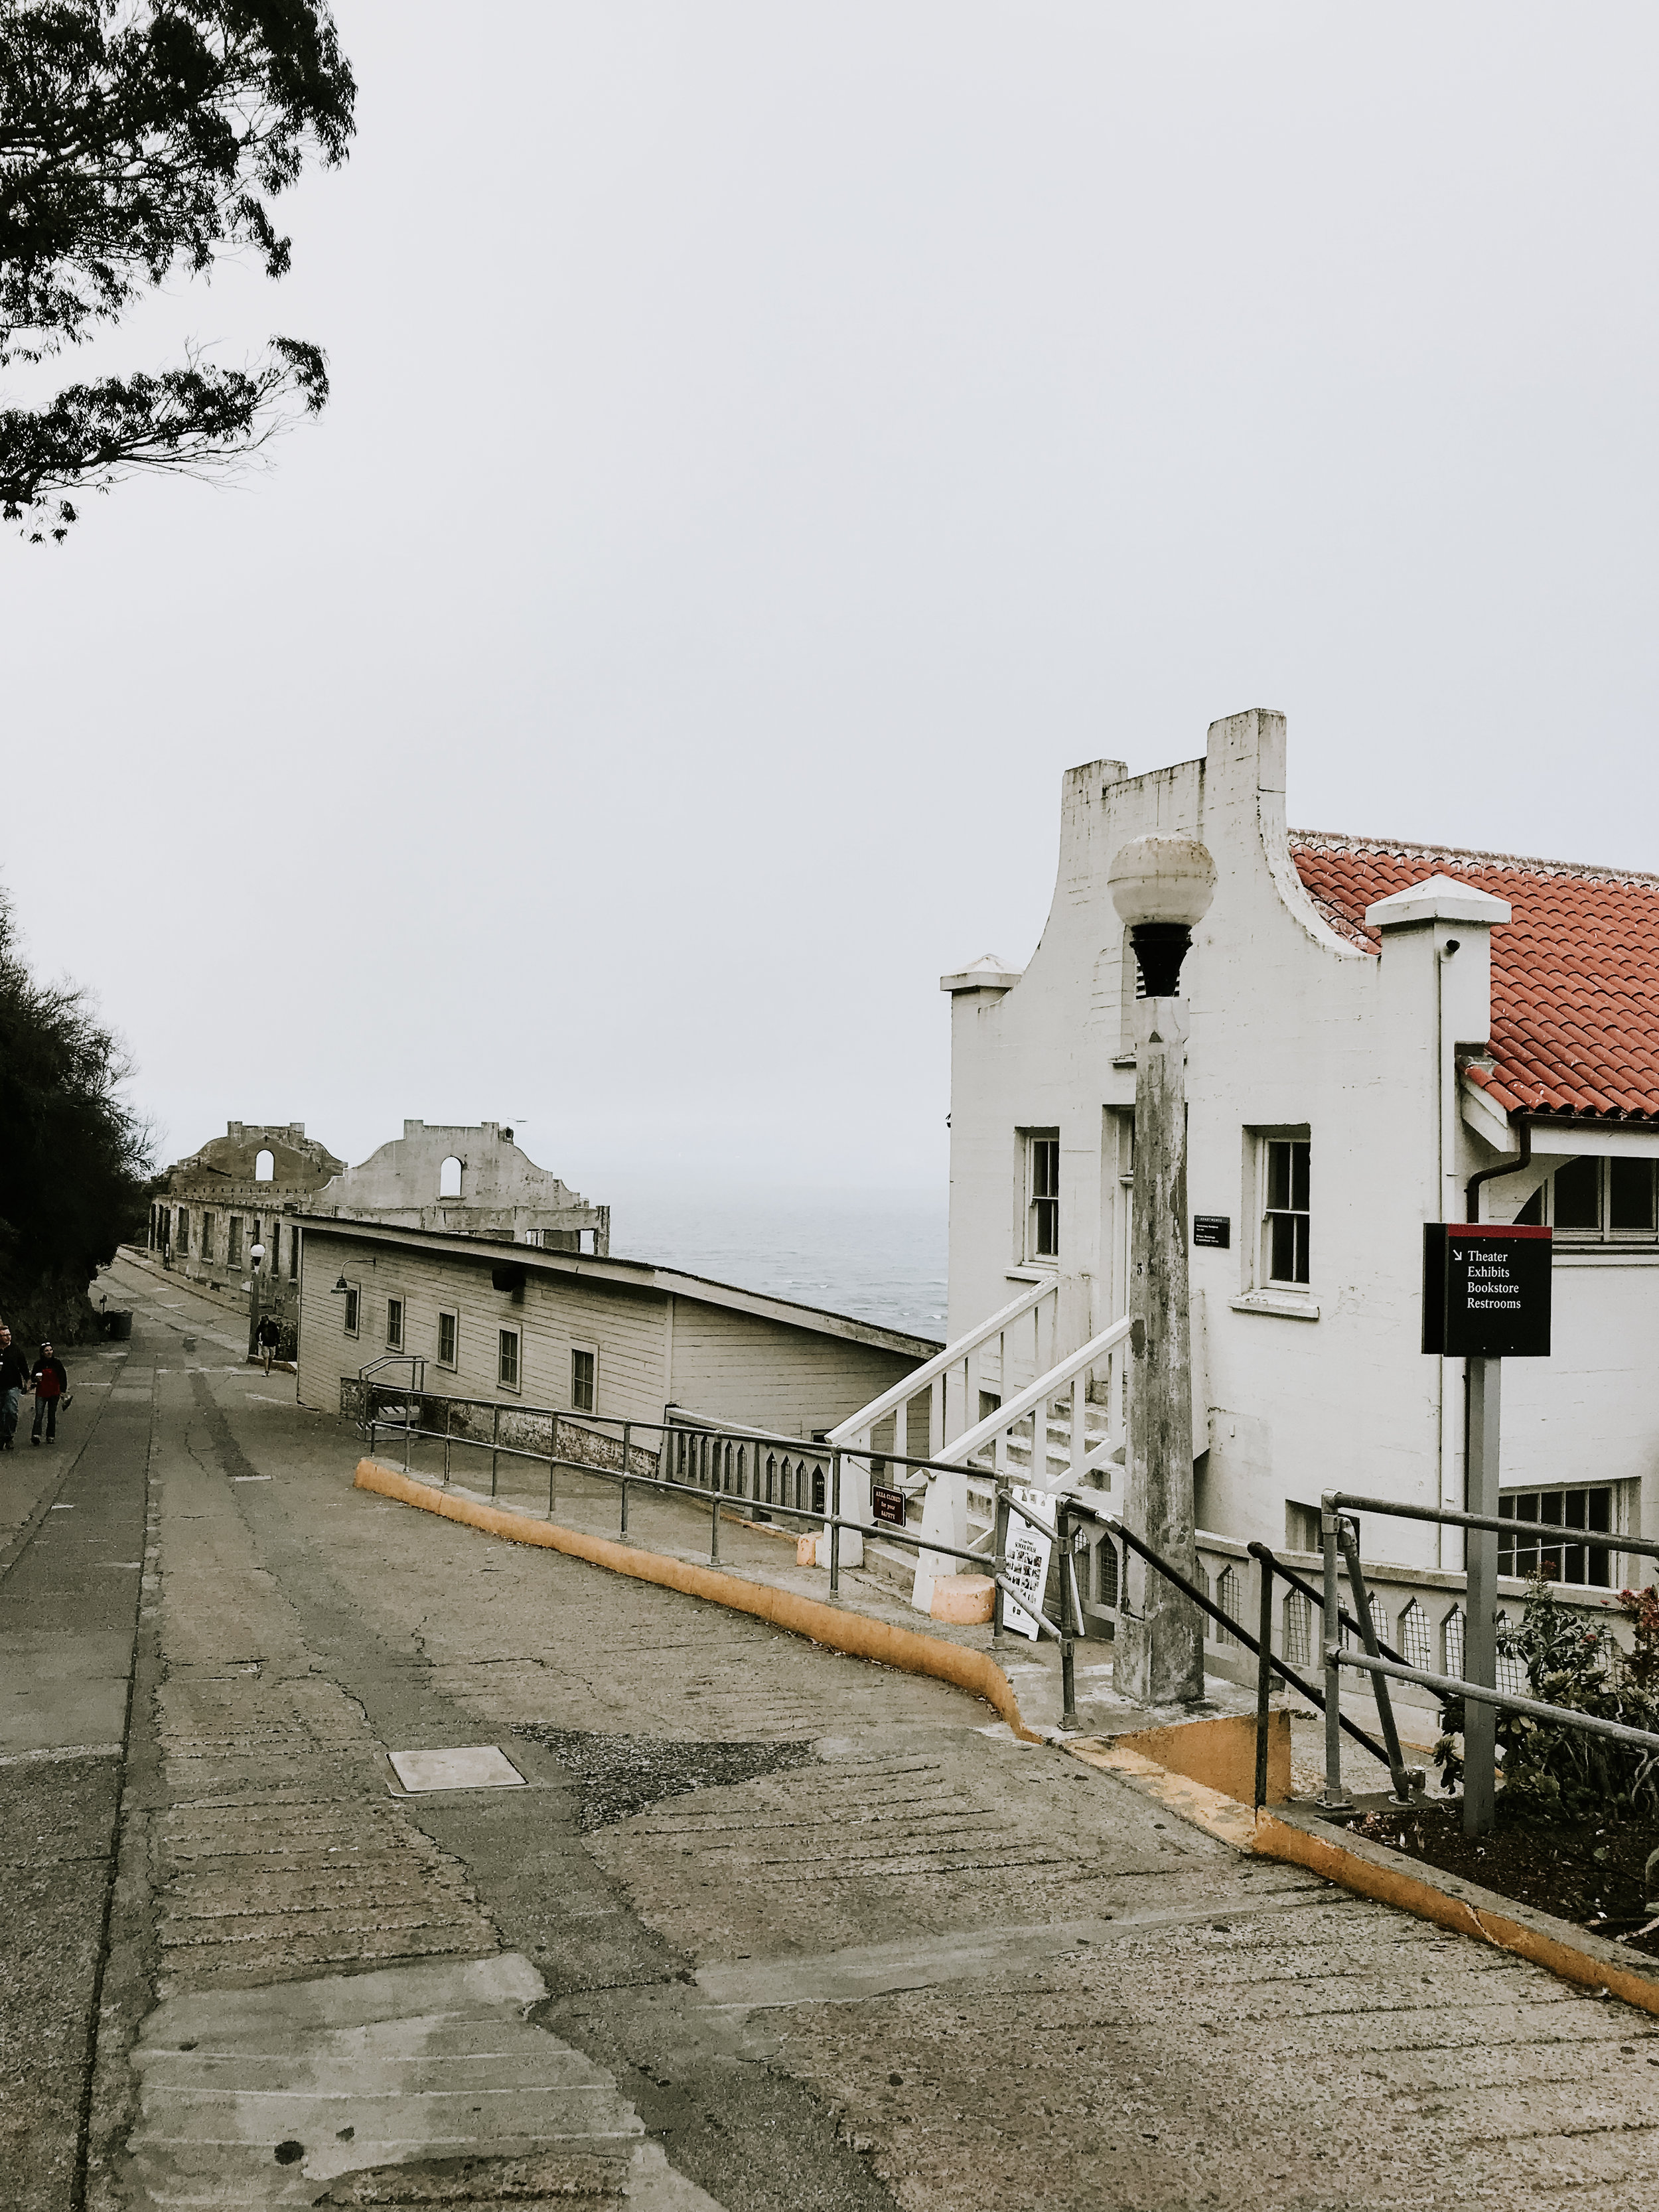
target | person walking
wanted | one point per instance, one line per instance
(48, 1382)
(14, 1380)
(269, 1335)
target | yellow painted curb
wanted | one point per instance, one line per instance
(1390, 1885)
(828, 1624)
(1267, 1837)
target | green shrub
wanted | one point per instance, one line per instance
(1552, 1771)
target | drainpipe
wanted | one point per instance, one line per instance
(1522, 1159)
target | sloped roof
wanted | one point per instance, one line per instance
(1575, 975)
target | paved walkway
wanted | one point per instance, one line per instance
(768, 1927)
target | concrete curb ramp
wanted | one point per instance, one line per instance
(831, 1625)
(1371, 1869)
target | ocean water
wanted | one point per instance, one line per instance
(877, 1255)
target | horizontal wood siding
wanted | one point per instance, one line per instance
(627, 1326)
(740, 1368)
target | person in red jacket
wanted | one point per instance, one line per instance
(48, 1382)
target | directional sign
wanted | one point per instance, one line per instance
(1486, 1291)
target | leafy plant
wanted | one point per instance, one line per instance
(139, 138)
(1552, 1771)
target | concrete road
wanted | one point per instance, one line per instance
(761, 1926)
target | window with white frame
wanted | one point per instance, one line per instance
(449, 1337)
(506, 1358)
(394, 1324)
(352, 1303)
(1042, 1194)
(1589, 1506)
(584, 1377)
(1285, 1211)
(1590, 1200)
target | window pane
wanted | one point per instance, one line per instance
(1279, 1174)
(1531, 1215)
(351, 1313)
(1630, 1194)
(1283, 1240)
(1299, 1152)
(508, 1369)
(1578, 1194)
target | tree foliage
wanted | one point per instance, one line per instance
(74, 1157)
(139, 138)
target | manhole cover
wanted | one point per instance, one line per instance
(477, 1766)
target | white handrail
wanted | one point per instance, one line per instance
(912, 1384)
(1034, 1395)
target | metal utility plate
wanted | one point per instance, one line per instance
(475, 1766)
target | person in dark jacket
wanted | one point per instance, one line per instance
(14, 1380)
(269, 1336)
(48, 1382)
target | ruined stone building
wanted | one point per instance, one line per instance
(234, 1193)
(473, 1179)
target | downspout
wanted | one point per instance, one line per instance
(1522, 1159)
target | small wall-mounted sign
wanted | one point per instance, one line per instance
(1214, 1231)
(1486, 1291)
(887, 1505)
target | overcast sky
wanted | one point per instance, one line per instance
(768, 445)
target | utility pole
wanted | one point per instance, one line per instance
(1161, 886)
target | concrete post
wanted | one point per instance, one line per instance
(1158, 1657)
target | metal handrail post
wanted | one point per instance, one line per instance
(626, 1426)
(495, 1438)
(1068, 1718)
(835, 1523)
(1333, 1794)
(449, 1427)
(409, 1432)
(552, 1457)
(1000, 1630)
(1348, 1537)
(713, 1513)
(1264, 1677)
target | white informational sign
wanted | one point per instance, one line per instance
(1027, 1560)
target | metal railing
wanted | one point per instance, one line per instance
(1340, 1533)
(936, 1374)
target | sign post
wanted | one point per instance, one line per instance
(1486, 1299)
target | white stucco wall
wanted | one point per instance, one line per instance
(1291, 1028)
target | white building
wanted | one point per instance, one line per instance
(1372, 1023)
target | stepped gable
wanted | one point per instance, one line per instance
(1575, 975)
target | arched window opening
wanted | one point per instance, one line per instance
(771, 1478)
(1416, 1643)
(1227, 1598)
(743, 1472)
(1106, 1573)
(264, 1167)
(1379, 1619)
(449, 1178)
(1451, 1643)
(1298, 1630)
(817, 1490)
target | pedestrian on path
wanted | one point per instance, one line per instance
(14, 1380)
(269, 1336)
(48, 1382)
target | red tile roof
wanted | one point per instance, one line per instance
(1575, 975)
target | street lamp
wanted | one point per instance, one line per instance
(1161, 886)
(255, 1255)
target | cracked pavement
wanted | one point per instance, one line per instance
(769, 1927)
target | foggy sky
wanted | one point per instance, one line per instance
(769, 444)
